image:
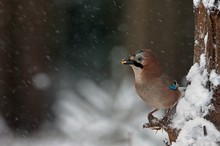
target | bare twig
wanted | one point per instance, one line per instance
(204, 130)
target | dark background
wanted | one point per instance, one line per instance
(55, 43)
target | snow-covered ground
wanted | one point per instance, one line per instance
(92, 115)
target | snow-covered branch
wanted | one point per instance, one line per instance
(194, 106)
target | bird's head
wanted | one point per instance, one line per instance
(143, 63)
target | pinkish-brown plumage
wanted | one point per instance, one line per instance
(151, 84)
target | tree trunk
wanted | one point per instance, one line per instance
(207, 41)
(23, 52)
(207, 26)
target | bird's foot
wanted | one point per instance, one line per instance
(152, 126)
(155, 123)
(150, 116)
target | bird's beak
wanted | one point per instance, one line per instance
(129, 61)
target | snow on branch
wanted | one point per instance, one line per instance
(194, 106)
(208, 4)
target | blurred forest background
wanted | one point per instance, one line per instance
(60, 64)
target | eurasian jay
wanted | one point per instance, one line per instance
(151, 84)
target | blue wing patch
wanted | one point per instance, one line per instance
(174, 86)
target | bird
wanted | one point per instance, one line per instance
(151, 83)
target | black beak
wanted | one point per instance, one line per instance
(131, 62)
(127, 61)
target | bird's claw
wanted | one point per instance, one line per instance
(151, 118)
(155, 123)
(151, 126)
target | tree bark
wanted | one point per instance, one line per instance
(207, 41)
(207, 24)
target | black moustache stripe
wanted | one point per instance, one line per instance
(138, 65)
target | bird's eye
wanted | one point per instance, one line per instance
(139, 59)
